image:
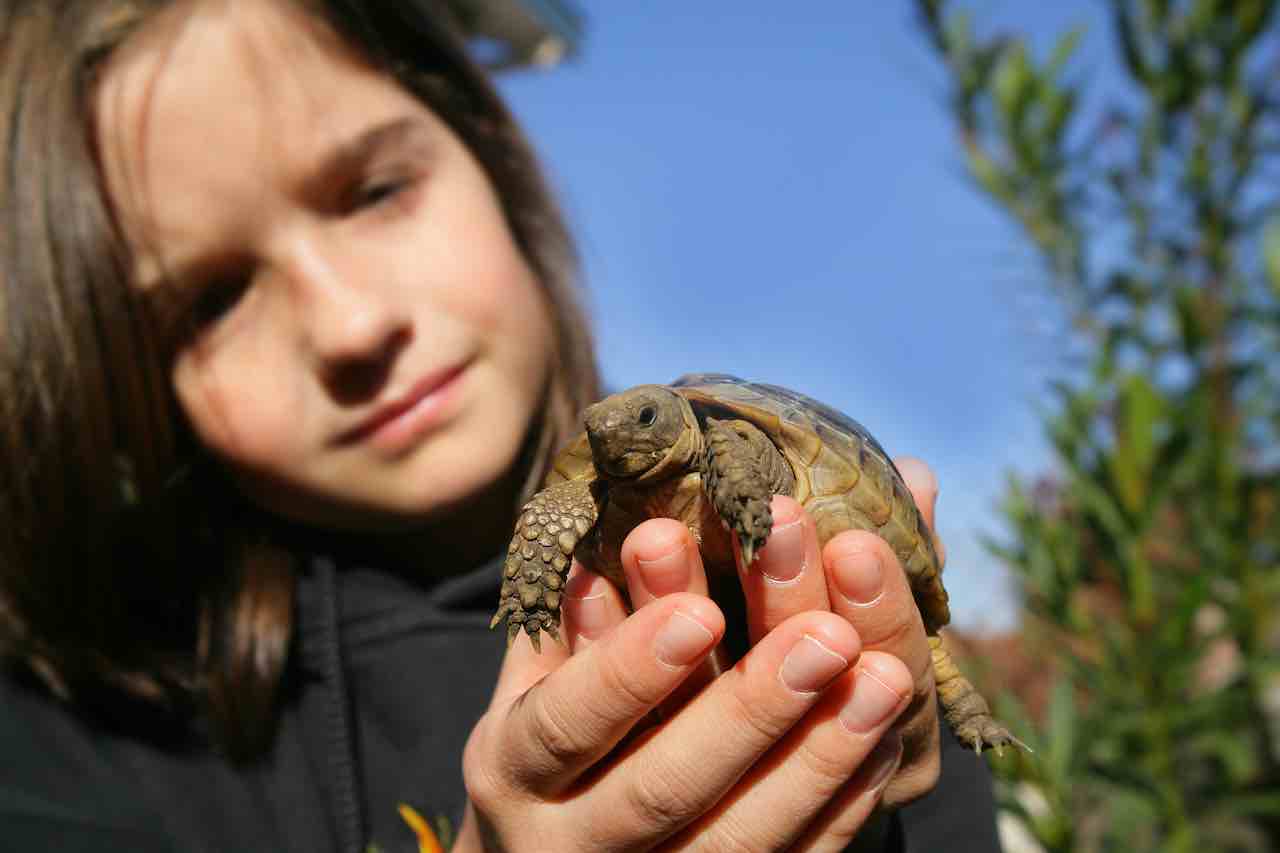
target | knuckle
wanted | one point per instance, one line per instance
(763, 724)
(825, 771)
(556, 735)
(898, 628)
(484, 786)
(627, 695)
(661, 801)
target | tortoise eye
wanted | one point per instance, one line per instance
(648, 415)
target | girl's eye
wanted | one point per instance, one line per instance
(216, 299)
(375, 193)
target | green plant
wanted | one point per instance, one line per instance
(1149, 560)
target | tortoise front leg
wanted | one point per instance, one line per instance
(551, 525)
(741, 471)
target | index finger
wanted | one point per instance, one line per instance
(559, 726)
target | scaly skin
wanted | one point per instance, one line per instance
(741, 472)
(549, 529)
(963, 706)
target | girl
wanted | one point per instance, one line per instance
(289, 335)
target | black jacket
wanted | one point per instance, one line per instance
(386, 681)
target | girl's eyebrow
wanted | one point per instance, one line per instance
(350, 154)
(346, 157)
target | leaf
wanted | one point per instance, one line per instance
(987, 174)
(1141, 409)
(1062, 733)
(1133, 53)
(959, 37)
(1188, 304)
(1264, 804)
(1063, 50)
(1060, 106)
(1251, 17)
(1237, 755)
(1014, 81)
(1271, 253)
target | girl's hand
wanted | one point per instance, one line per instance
(785, 751)
(856, 577)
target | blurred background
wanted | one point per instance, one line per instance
(778, 194)
(1033, 244)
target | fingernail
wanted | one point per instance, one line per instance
(682, 640)
(668, 573)
(884, 759)
(782, 560)
(871, 703)
(809, 666)
(585, 605)
(859, 576)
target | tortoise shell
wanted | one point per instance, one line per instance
(844, 478)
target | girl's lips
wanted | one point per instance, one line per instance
(397, 425)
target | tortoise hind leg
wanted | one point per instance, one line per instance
(551, 525)
(964, 708)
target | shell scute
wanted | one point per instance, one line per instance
(831, 515)
(872, 495)
(831, 473)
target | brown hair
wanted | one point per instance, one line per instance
(127, 561)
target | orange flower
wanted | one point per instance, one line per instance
(427, 842)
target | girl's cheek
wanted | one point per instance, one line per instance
(245, 416)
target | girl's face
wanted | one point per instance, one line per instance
(369, 345)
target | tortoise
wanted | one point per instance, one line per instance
(711, 450)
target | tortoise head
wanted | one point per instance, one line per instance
(643, 433)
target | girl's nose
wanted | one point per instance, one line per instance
(352, 323)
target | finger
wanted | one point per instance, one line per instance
(787, 577)
(592, 608)
(687, 765)
(848, 816)
(870, 589)
(560, 726)
(660, 557)
(923, 486)
(830, 753)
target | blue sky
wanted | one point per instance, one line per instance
(779, 195)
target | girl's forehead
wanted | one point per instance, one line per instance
(238, 62)
(200, 110)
